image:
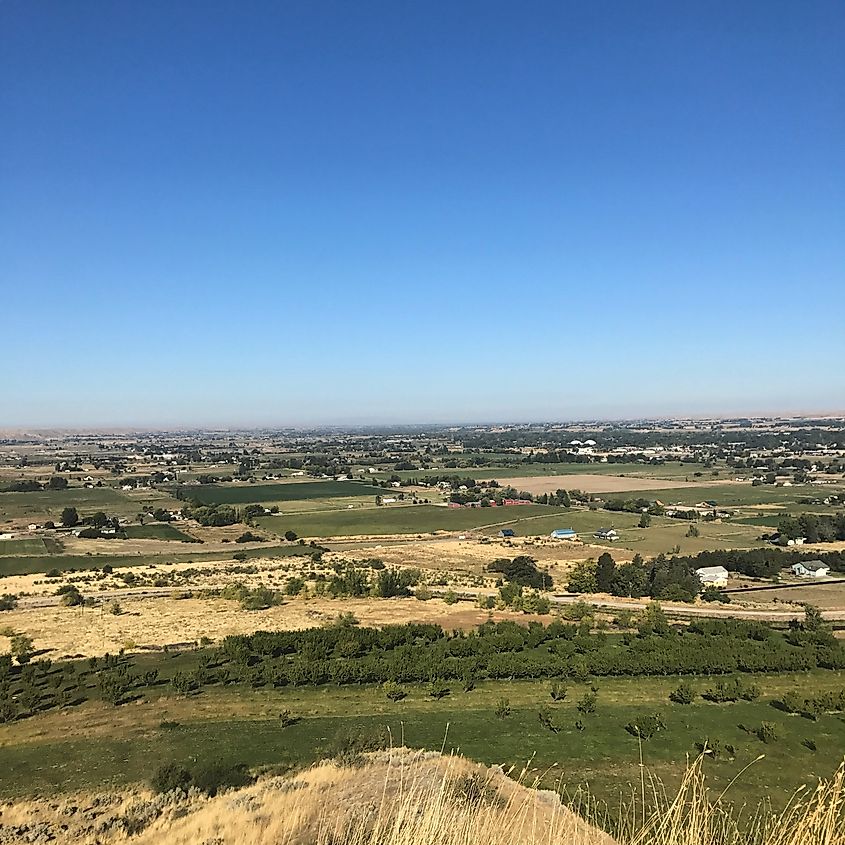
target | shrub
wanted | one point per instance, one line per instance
(438, 689)
(767, 732)
(210, 778)
(393, 691)
(544, 714)
(645, 727)
(557, 691)
(503, 708)
(286, 718)
(587, 705)
(170, 776)
(450, 597)
(683, 694)
(8, 601)
(422, 593)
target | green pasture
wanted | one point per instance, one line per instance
(670, 472)
(403, 519)
(243, 726)
(48, 504)
(11, 565)
(244, 494)
(156, 531)
(25, 547)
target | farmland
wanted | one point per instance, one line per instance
(242, 494)
(188, 541)
(97, 745)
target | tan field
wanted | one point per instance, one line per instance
(76, 631)
(597, 483)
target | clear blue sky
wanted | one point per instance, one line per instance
(297, 212)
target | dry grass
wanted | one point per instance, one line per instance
(404, 797)
(594, 483)
(167, 621)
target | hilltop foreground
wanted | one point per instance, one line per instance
(406, 797)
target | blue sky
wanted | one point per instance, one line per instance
(302, 212)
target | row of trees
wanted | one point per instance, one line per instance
(672, 579)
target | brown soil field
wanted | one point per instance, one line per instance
(160, 621)
(597, 483)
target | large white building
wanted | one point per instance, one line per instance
(712, 576)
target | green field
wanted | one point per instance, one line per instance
(48, 504)
(404, 519)
(25, 547)
(161, 531)
(672, 471)
(25, 565)
(41, 755)
(244, 494)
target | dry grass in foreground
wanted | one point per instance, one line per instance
(404, 797)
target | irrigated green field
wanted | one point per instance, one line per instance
(404, 519)
(27, 546)
(24, 565)
(155, 532)
(244, 494)
(48, 504)
(98, 745)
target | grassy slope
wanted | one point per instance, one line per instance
(129, 742)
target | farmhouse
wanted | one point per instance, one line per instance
(507, 532)
(712, 576)
(564, 534)
(609, 534)
(810, 569)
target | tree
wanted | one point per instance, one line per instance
(22, 648)
(605, 573)
(645, 727)
(70, 517)
(645, 520)
(57, 483)
(290, 536)
(582, 579)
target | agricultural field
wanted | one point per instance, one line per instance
(266, 494)
(96, 745)
(29, 546)
(48, 504)
(403, 519)
(160, 531)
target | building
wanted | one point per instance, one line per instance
(609, 534)
(507, 532)
(810, 569)
(564, 534)
(712, 576)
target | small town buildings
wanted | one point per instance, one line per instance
(507, 532)
(810, 569)
(564, 534)
(712, 576)
(609, 534)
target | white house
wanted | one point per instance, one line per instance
(609, 534)
(712, 576)
(564, 534)
(810, 569)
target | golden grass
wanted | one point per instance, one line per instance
(405, 797)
